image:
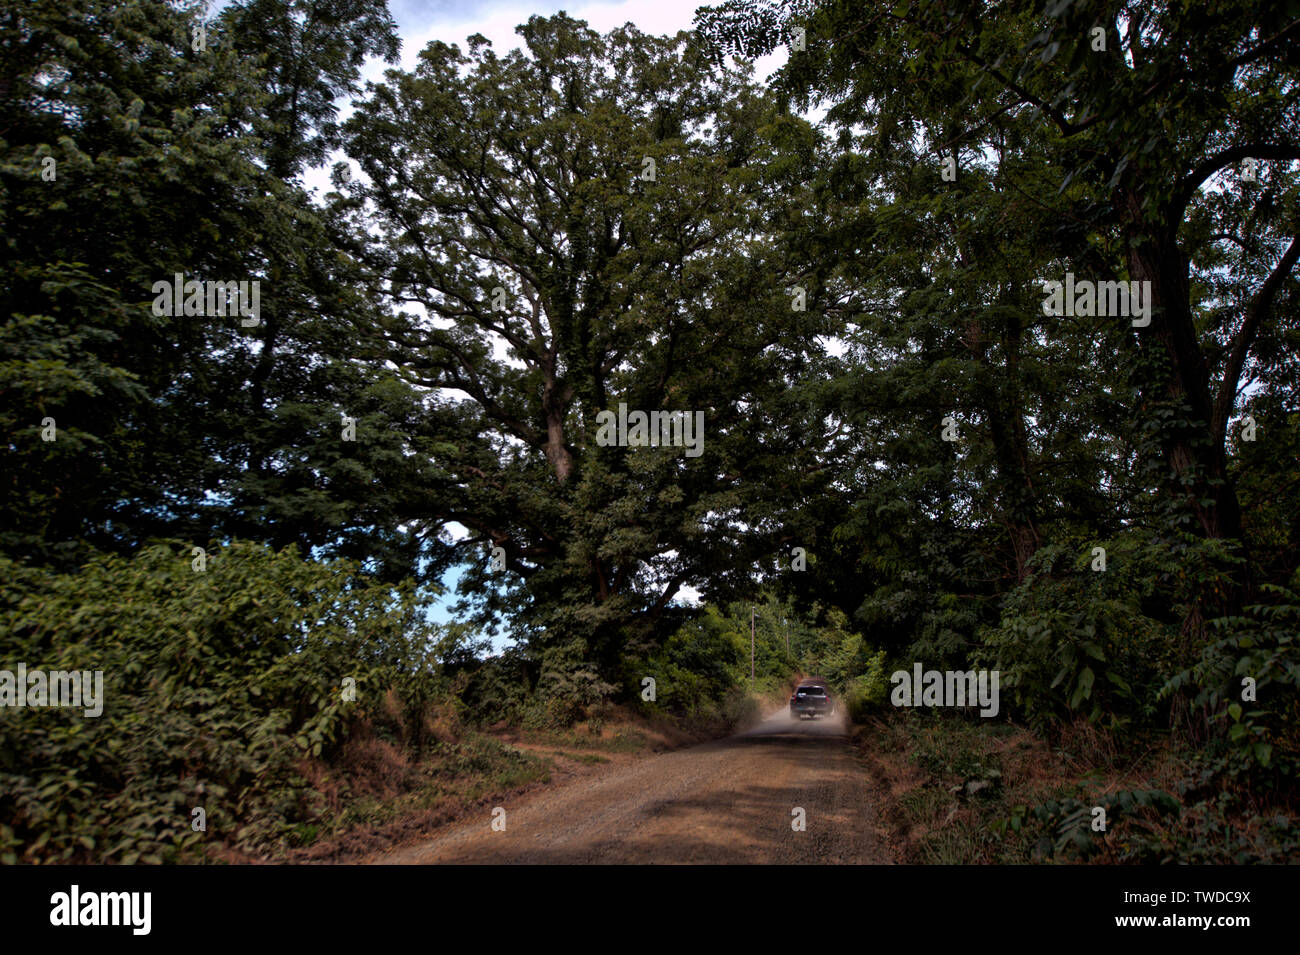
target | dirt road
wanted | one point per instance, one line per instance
(730, 801)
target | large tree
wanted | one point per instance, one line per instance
(1142, 116)
(139, 142)
(586, 222)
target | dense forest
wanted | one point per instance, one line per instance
(995, 367)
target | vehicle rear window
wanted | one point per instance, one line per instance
(812, 691)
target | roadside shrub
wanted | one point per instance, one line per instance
(216, 685)
(1064, 828)
(1076, 642)
(697, 670)
(1255, 655)
(868, 691)
(568, 685)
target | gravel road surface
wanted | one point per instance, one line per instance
(730, 801)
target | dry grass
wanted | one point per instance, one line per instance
(943, 784)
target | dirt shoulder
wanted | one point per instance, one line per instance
(464, 776)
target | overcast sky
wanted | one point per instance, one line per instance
(419, 22)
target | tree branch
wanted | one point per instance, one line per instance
(1212, 164)
(1239, 347)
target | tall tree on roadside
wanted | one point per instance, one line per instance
(135, 145)
(311, 52)
(1146, 115)
(589, 222)
(121, 146)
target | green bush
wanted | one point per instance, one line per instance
(868, 691)
(697, 669)
(217, 684)
(1077, 642)
(1065, 828)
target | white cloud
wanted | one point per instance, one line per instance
(688, 595)
(497, 22)
(420, 22)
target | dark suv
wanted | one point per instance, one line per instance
(811, 699)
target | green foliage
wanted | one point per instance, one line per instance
(312, 52)
(1074, 641)
(1074, 432)
(869, 691)
(1259, 646)
(1069, 822)
(698, 668)
(188, 426)
(524, 171)
(946, 748)
(495, 689)
(1222, 829)
(849, 663)
(569, 683)
(217, 685)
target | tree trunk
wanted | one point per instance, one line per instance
(1003, 408)
(555, 407)
(1194, 453)
(1198, 465)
